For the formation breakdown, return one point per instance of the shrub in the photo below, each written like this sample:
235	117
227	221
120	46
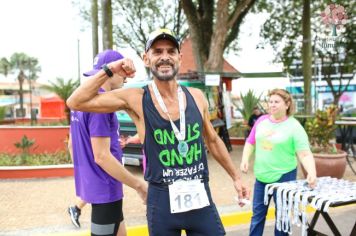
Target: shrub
35	159
2	113
321	130
249	102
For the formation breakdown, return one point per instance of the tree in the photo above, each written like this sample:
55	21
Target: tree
106	19
5	66
63	89
94	26
213	27
136	19
284	31
19	64
307	56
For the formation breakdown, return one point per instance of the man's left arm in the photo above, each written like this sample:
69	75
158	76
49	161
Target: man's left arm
219	151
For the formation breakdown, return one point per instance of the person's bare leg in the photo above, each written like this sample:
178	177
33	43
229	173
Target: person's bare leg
75	211
122	229
80	203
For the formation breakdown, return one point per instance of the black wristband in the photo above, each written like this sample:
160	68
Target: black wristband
107	70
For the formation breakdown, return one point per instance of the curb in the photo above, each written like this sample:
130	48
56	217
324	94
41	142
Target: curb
46	171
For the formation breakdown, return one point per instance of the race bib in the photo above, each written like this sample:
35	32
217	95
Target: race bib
187	195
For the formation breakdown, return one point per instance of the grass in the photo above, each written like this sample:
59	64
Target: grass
35	159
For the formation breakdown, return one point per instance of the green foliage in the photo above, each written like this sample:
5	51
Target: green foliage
63	89
134	20
5	66
35	159
249	101
321	130
24	66
2	113
139	18
283	30
25	144
28	65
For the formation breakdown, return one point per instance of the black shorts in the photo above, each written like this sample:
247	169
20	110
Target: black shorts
106	218
199	222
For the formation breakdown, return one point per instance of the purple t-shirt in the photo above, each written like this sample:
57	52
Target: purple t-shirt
92	183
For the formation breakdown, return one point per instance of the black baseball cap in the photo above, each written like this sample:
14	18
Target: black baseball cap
161	34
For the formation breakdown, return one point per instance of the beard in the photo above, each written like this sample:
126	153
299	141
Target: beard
163	76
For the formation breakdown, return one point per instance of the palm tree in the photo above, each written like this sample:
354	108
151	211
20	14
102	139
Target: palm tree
5	66
63	89
33	69
18	64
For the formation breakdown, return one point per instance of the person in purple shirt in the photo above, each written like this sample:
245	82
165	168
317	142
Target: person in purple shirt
98	172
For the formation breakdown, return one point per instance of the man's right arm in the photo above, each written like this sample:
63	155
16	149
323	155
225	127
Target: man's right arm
86	97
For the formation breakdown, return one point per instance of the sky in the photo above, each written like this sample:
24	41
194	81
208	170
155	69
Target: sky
50	30
47	30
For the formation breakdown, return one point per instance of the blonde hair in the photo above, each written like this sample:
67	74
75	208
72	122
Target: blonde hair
287	98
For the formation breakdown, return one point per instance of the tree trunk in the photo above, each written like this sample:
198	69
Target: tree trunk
307	57
337	99
210	36
215	59
21	79
200	21
107	24
94	26
199	56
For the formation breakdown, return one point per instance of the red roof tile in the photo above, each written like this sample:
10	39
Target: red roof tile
188	62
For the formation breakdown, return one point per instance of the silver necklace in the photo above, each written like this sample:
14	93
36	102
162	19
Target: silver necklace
180	134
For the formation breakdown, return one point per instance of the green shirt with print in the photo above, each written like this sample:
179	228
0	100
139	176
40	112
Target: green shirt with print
276	147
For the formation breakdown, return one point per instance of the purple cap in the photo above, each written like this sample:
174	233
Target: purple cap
102	58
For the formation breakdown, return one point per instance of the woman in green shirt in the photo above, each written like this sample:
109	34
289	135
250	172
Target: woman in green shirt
277	139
